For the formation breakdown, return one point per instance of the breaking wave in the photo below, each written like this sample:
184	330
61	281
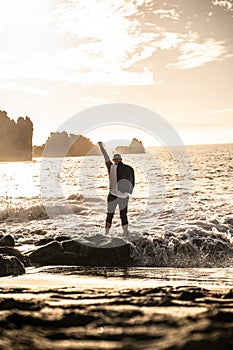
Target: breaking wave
202	245
38	212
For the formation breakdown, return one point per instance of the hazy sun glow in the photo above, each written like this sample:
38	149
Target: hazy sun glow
60	57
20	13
122	135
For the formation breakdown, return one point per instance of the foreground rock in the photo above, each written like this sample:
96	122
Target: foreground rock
13	252
10	265
97	251
7	241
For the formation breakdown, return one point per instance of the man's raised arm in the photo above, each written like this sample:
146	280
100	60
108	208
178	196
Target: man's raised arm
105	154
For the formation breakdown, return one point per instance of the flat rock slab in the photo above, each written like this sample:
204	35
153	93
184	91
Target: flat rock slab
97	251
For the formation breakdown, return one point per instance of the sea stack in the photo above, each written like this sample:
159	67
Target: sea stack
15	138
135	146
62	144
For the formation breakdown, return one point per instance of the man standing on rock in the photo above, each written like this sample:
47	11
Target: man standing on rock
121	184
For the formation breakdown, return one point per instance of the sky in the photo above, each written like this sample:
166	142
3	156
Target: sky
60	57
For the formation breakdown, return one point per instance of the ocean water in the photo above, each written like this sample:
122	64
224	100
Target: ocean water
180	214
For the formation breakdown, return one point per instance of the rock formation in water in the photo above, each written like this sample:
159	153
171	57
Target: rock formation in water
37	151
135	146
61	144
15	138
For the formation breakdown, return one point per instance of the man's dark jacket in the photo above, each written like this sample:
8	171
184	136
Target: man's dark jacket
125	178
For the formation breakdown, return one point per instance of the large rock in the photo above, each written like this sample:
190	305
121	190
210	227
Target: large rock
97	256
85	253
10	265
13	252
15	138
62	144
48	254
7	241
135	146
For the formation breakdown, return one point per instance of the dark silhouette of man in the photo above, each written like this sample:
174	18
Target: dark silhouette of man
121	184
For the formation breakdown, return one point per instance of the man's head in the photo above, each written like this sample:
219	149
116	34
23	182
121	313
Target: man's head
117	158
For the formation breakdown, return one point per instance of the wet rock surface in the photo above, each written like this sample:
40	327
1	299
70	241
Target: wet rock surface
12	261
10	265
95	251
13	252
7	241
144	318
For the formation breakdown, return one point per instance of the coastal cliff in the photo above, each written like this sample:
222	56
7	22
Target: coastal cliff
15	138
61	144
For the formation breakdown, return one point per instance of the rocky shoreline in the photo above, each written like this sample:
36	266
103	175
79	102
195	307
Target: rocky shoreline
39	311
62	250
23	247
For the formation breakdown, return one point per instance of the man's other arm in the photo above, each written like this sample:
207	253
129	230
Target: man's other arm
106	156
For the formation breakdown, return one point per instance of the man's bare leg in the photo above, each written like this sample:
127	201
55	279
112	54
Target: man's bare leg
107	227
125	230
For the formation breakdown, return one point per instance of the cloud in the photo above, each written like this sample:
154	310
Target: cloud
171	14
104	35
108	43
163	41
114	39
34	90
196	54
107	37
228	4
72	66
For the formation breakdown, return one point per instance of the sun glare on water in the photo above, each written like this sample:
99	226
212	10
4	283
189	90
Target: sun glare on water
18	180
